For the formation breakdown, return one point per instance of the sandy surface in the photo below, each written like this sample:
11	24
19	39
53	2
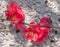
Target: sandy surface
33	10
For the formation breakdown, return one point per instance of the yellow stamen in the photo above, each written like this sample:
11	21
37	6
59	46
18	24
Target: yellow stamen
31	33
13	18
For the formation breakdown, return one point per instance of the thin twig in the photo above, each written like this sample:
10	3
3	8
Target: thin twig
43	25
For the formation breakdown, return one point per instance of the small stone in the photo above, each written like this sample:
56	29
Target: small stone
1	11
46	2
56	32
1	40
17	31
0	26
28	43
11	45
6	23
59	20
2	20
51	46
52	41
11	25
6	33
4	27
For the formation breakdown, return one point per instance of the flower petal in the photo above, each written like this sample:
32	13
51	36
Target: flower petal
46	34
43	21
45	29
18	25
28	37
35	37
33	23
41	39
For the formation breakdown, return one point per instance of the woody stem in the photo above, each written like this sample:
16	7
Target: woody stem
41	25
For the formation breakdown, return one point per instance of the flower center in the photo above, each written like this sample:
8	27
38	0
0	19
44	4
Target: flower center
13	18
31	33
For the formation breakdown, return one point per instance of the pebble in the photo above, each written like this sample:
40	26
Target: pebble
6	22
46	2
52	41
59	20
1	40
17	31
4	27
2	20
56	31
28	43
11	25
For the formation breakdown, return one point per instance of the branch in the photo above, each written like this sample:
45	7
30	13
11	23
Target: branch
41	25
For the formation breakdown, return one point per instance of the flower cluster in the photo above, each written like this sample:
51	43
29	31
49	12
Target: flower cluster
35	32
14	14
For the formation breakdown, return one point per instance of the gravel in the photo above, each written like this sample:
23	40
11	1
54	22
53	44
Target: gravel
33	10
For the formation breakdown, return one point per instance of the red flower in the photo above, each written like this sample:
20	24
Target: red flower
14	13
31	33
36	33
45	21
